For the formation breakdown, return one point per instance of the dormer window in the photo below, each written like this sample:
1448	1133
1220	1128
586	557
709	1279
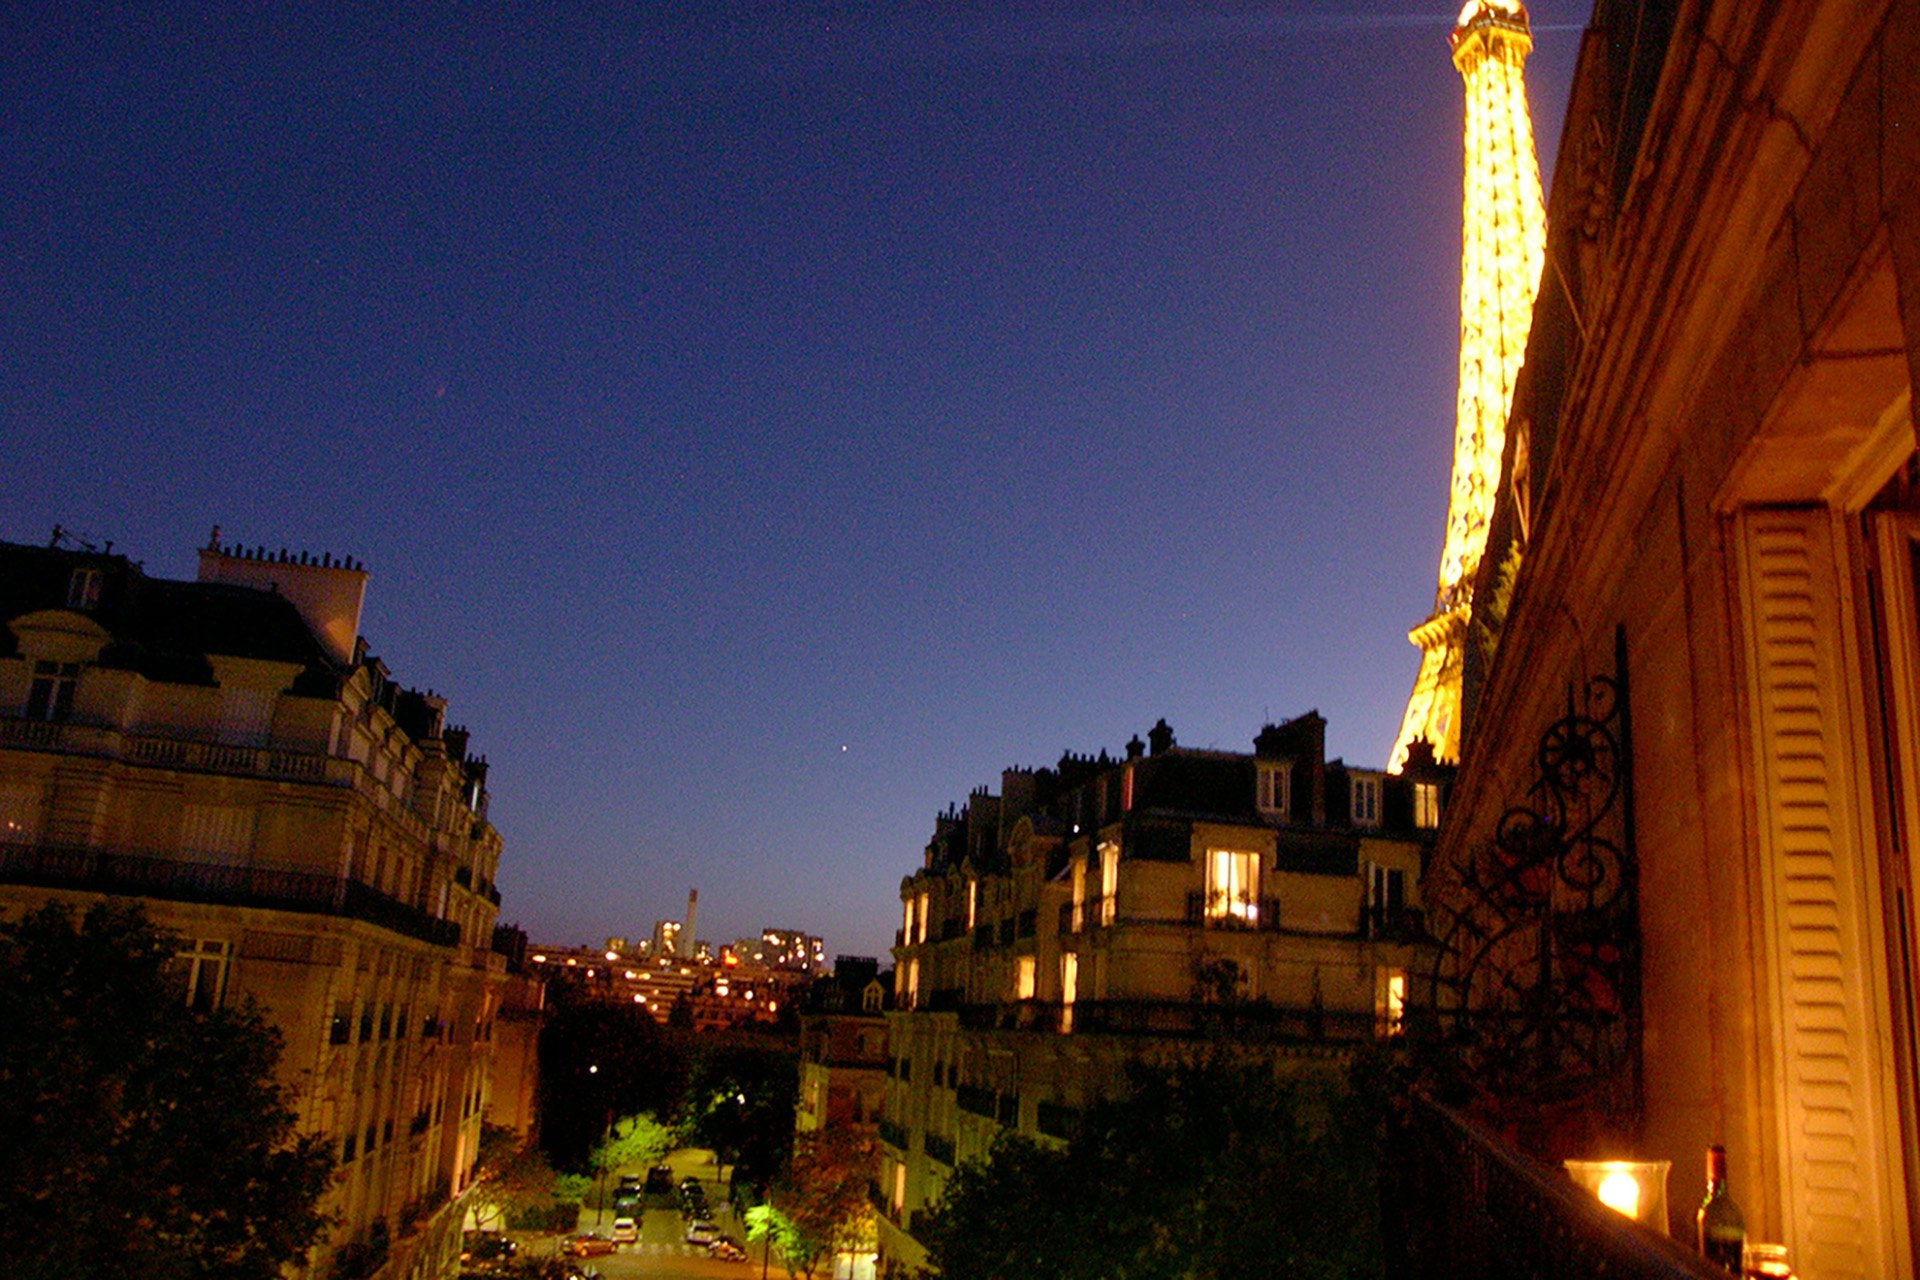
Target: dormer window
1366	800
1273	790
83	589
50	696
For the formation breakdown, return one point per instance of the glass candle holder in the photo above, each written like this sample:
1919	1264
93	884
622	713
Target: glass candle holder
1760	1261
1635	1189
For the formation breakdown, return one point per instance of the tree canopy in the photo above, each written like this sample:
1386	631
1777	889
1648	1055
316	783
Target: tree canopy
1212	1170
740	1102
144	1138
600	1060
511	1178
634	1142
822	1198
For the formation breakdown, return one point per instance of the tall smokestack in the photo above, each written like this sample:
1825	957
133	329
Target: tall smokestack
686	935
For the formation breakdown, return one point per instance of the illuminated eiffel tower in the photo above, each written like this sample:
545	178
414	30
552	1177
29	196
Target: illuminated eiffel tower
1502	244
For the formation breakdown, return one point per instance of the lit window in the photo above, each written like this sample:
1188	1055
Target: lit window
973	901
1109	880
1233	885
1390	1001
1366	801
1273	791
906	920
923	913
1069	988
899	1188
1426	805
1023	979
913	983
1079	916
204	965
50	696
1126	790
83	589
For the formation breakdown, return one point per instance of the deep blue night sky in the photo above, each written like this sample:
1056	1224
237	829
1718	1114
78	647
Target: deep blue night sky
765	422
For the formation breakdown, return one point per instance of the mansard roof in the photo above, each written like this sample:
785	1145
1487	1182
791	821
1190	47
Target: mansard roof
162	628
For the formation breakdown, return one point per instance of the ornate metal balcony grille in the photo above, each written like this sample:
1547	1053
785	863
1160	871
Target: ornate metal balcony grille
1538	971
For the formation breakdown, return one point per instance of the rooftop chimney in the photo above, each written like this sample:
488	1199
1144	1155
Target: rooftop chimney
327	594
1160	737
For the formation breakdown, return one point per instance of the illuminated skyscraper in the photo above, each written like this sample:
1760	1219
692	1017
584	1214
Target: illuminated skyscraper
1502	244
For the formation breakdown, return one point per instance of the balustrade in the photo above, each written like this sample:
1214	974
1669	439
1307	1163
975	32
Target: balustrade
69	867
1462	1204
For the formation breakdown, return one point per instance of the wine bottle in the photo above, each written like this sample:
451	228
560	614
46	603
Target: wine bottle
1722	1230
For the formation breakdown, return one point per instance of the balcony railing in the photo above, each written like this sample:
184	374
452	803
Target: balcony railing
1397	924
178	880
1241	1020
1264	914
940	1149
1471	1206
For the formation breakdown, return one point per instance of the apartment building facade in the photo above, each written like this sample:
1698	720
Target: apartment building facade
228	752
1112	910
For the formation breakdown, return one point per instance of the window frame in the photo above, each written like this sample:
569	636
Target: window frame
1238	900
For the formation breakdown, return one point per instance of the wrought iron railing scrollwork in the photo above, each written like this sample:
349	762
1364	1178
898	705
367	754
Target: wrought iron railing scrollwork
1538	970
1463	1205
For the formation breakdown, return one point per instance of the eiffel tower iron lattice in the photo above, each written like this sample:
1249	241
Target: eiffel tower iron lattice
1503	242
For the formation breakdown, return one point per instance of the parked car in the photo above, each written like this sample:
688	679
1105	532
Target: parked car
626	1204
486	1246
588	1244
729	1248
702	1232
659	1180
625	1231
